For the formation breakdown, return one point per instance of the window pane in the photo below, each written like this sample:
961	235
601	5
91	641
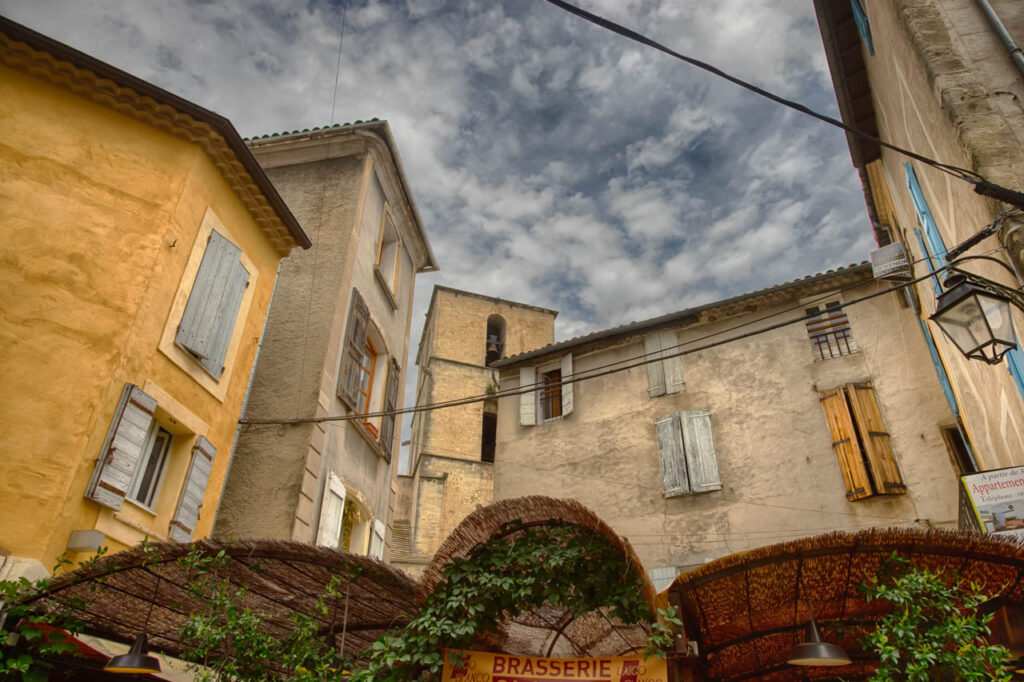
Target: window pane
152	466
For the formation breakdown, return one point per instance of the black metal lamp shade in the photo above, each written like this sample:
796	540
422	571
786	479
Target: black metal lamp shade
976	320
137	660
816	651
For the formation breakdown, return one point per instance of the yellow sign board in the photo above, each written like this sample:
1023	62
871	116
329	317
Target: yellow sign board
479	666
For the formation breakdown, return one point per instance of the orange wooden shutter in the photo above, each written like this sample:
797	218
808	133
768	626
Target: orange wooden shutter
877	446
844	443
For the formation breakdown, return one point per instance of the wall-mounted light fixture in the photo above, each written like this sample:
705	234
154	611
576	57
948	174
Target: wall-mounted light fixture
974	313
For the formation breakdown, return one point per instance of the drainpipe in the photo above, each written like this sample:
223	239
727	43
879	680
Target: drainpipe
245	400
1015	52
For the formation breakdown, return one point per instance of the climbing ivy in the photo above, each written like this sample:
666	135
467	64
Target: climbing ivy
555	563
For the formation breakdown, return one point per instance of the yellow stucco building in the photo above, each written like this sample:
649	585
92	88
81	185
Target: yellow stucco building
140	246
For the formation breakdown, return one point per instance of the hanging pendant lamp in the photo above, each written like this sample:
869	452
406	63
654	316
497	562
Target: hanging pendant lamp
815	650
137	660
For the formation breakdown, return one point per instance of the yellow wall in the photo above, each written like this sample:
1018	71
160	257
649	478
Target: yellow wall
100	216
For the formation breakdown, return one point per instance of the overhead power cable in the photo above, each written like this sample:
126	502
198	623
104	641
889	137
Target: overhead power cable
580	376
981	185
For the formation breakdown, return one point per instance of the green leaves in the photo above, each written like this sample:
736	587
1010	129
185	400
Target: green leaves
934	631
556	563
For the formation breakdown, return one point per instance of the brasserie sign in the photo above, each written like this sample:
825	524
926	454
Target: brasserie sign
480	666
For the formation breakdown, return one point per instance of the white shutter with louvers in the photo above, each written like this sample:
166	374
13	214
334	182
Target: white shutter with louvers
527	401
206	301
186	516
567	388
699	447
673	463
122	448
655	367
673	366
332	509
377	540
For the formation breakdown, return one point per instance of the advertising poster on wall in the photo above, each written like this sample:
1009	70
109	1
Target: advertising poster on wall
997	500
480	666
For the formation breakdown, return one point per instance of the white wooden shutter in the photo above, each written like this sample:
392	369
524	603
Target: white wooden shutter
206	307
527	401
377	540
673	367
699	447
332	508
673	463
567	392
122	448
664	375
356	331
186	516
655	368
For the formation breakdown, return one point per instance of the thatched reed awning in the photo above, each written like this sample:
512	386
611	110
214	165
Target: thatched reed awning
546	630
114	595
746	610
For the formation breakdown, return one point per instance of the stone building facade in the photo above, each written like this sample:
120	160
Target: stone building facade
831	423
935	77
335	346
452	451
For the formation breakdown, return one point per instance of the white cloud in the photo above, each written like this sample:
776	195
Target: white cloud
554	162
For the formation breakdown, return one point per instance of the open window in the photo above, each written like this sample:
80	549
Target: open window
389	252
489	432
828	327
495	339
134	457
861	442
553	395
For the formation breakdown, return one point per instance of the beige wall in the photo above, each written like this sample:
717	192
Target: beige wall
780	478
944	86
105	220
337	185
448	480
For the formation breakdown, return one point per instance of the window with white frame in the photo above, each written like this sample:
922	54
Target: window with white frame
133	460
150	468
552	396
208	321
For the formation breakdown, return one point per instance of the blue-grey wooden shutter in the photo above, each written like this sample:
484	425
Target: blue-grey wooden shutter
212	308
860	17
186	516
356	330
387	424
699	446
567	389
527	401
673	462
936	246
122	448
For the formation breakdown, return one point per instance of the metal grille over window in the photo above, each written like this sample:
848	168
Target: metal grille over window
830	333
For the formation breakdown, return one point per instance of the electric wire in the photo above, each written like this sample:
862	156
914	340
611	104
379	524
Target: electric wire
337	69
961	173
580	376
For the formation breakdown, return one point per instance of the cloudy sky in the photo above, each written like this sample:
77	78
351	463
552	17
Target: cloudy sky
553	162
